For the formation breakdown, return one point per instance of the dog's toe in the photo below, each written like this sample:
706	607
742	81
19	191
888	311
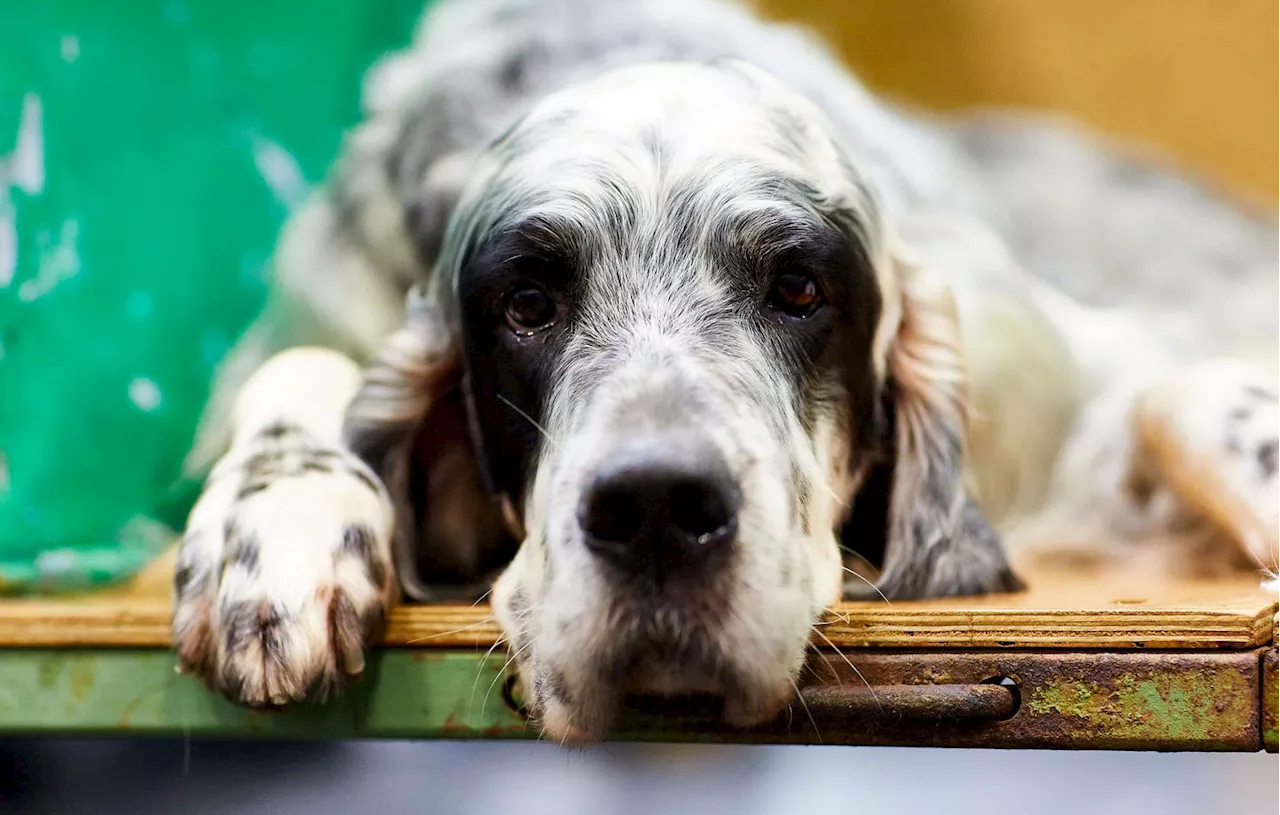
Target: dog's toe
271	655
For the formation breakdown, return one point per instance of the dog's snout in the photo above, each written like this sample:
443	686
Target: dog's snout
661	512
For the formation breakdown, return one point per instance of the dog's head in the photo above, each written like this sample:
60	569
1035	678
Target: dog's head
685	342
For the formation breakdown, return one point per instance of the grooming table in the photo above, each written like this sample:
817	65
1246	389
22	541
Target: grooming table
1111	661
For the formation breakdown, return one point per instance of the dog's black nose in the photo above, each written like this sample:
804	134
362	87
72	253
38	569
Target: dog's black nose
661	512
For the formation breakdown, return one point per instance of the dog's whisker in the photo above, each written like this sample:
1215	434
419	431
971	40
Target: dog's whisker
807	712
833	617
519	634
502	671
504	639
545	433
816	473
825	663
479	623
480	668
873	586
855	554
852	667
506	664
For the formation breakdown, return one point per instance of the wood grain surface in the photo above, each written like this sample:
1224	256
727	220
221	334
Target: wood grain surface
1111	611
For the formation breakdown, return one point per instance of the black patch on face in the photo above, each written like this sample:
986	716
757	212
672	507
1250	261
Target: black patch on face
506	374
846	356
828	354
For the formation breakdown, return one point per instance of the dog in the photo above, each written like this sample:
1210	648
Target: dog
651	310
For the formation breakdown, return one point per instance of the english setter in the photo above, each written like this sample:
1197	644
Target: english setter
695	327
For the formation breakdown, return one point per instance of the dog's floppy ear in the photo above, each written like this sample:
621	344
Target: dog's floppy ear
409	423
937	541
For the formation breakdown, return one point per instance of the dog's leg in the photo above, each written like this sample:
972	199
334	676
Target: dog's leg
1176	471
1208	435
326	291
285	567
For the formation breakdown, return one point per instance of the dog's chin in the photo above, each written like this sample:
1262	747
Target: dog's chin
587	714
746	710
558	727
559	722
740	711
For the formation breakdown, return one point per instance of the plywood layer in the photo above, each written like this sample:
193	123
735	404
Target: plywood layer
1117	611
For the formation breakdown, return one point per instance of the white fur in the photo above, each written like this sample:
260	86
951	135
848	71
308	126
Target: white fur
1084	285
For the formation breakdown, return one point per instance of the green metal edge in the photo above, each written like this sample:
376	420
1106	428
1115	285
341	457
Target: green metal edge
405	694
458	694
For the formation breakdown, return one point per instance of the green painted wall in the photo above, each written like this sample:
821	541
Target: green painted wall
149	151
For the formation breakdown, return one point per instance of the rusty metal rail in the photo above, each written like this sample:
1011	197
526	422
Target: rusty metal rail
1130	700
1050	700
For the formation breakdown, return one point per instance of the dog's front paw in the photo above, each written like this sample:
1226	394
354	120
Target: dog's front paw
285	571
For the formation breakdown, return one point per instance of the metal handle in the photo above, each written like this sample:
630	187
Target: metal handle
993	700
987	701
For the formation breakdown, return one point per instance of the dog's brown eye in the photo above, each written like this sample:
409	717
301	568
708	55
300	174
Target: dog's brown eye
529	309
795	294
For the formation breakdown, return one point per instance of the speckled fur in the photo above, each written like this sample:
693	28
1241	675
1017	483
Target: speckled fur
1049	302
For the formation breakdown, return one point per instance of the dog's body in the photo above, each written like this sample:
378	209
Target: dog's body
1092	294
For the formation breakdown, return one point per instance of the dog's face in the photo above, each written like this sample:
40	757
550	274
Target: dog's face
678	315
667	314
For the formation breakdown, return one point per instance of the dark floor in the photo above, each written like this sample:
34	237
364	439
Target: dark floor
387	778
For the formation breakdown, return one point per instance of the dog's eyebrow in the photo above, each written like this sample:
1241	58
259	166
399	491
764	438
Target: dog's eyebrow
546	248
542	234
779	227
762	232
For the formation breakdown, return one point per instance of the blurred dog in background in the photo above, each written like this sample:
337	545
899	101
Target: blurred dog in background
697	329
